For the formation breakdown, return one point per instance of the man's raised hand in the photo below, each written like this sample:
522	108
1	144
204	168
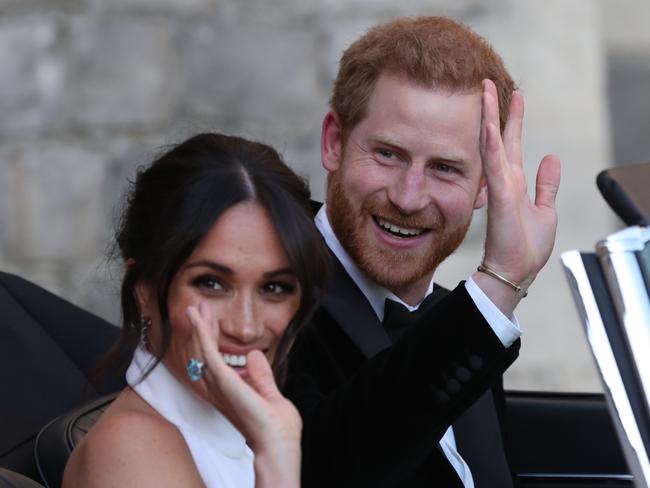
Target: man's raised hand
520	232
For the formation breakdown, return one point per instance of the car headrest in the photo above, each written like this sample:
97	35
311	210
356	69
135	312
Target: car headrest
56	441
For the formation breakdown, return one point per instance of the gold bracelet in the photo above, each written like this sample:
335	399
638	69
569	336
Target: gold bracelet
484	269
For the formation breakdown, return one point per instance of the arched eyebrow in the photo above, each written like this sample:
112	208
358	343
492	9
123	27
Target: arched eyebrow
210	264
228	271
279	272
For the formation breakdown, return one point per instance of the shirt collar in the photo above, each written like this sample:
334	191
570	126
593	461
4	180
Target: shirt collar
374	293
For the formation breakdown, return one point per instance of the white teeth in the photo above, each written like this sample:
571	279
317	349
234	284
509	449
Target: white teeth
399	230
234	360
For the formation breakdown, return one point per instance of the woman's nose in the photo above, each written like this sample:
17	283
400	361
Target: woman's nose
242	322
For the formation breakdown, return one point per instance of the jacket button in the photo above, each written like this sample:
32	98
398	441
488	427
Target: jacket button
453	386
440	397
475	363
463	374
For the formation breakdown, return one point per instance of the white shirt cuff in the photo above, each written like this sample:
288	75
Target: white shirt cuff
507	330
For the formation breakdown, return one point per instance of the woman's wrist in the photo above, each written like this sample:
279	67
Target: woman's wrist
278	466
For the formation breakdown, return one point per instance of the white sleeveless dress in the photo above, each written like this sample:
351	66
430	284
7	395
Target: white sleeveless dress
220	452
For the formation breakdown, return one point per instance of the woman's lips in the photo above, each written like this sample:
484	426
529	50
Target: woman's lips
239	360
236	357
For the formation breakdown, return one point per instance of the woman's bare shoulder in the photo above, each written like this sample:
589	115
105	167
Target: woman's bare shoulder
131	445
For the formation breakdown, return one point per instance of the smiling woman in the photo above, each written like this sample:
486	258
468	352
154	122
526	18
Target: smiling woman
223	264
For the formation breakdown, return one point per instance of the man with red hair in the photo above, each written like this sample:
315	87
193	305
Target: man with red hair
394	378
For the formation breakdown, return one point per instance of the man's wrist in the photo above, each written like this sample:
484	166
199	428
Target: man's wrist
498	292
483	268
506	327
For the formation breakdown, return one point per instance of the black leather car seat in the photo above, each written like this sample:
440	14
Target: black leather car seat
11	479
58	438
48	352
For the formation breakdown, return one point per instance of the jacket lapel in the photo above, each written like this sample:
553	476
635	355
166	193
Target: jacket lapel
348	306
477	434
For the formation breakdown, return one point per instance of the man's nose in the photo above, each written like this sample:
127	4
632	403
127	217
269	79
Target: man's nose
243	323
410	192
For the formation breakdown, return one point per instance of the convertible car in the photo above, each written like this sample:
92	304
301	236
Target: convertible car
52	395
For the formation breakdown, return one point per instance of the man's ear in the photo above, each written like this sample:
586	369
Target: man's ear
481	196
331	144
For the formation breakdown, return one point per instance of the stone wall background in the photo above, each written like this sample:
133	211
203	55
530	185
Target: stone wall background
90	89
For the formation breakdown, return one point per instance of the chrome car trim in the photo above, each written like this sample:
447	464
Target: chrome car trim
627	240
617	399
626	283
575	476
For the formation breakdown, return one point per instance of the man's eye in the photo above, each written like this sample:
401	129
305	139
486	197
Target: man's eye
386	153
444	168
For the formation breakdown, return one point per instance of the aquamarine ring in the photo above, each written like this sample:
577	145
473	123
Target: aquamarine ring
195	369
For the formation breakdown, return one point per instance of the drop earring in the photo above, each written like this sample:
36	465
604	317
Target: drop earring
145	323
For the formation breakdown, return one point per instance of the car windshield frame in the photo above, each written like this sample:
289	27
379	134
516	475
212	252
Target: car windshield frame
611	289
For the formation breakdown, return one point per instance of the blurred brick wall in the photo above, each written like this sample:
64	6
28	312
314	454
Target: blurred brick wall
90	89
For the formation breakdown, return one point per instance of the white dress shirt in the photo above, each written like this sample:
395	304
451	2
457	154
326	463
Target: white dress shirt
219	450
507	330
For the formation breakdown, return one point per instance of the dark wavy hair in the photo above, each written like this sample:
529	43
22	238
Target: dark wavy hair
173	204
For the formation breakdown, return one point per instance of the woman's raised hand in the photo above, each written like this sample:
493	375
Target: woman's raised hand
269	422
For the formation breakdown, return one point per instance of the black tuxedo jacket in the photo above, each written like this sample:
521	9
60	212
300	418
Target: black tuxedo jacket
374	412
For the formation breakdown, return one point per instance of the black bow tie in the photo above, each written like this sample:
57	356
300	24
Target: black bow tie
398	319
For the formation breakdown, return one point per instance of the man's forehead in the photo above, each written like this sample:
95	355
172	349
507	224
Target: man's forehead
397	100
396	97
401	78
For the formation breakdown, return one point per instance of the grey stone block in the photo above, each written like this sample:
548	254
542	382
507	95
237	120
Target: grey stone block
32	74
179	7
94	285
304	158
332	12
41	6
124	72
263	76
50	194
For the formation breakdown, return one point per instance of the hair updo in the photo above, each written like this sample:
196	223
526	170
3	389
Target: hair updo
173	204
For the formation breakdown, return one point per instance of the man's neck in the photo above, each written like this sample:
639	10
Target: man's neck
375	293
413	293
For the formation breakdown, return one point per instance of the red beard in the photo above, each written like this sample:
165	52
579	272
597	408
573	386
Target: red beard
391	268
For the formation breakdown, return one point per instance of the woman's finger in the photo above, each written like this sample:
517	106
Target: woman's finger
261	376
207	341
224	382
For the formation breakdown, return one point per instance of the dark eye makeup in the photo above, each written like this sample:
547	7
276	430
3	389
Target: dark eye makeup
278	288
207	282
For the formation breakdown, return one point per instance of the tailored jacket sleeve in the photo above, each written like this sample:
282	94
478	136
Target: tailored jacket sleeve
367	422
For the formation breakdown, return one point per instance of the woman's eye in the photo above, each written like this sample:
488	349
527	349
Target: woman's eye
277	288
209	282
